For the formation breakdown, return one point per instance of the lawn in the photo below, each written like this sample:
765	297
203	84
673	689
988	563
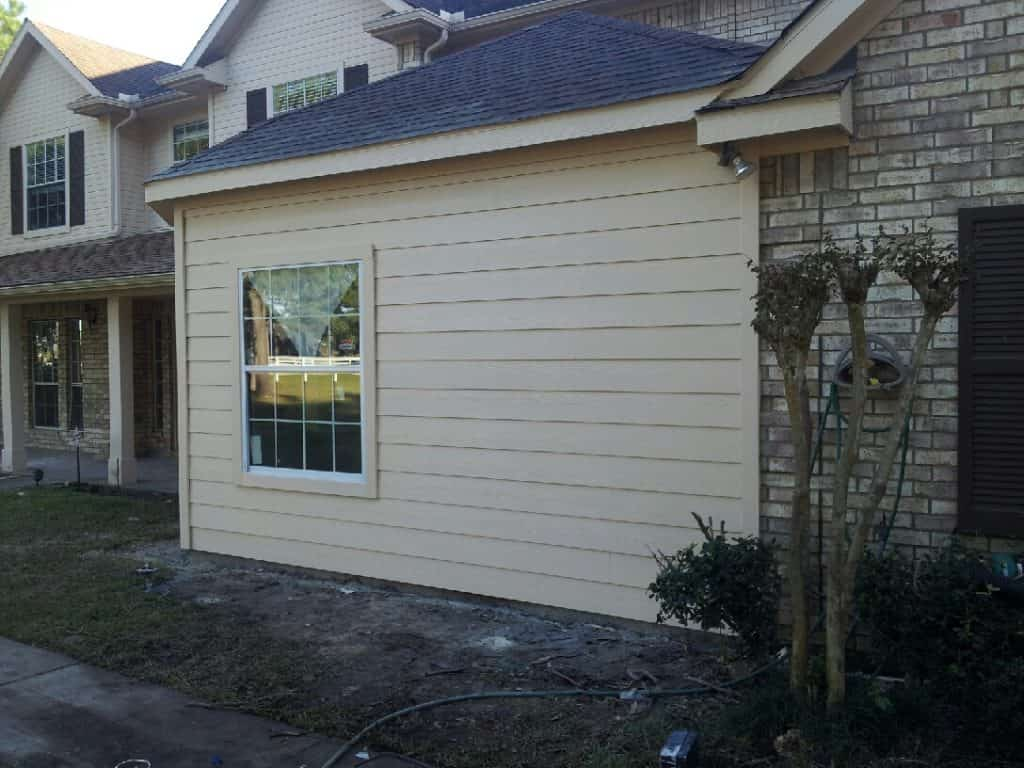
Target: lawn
70	584
329	655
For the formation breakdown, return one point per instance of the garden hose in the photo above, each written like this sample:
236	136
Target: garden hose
630	695
889	521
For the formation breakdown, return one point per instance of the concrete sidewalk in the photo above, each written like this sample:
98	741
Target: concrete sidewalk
57	713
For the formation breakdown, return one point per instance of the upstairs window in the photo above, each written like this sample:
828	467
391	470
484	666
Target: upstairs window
46	189
301	93
190	139
302	369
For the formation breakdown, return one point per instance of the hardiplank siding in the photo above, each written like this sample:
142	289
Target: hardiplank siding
35	109
286	41
565	369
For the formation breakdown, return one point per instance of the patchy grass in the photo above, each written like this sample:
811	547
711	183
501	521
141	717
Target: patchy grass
70	587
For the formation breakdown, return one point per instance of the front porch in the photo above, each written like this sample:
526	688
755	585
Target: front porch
90	363
156	474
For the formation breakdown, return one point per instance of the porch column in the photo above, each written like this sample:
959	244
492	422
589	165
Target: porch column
121	467
12	388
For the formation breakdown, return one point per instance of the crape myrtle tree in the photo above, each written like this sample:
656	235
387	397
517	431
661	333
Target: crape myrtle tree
789	303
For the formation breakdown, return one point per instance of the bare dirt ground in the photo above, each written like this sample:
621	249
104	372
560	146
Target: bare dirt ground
380	647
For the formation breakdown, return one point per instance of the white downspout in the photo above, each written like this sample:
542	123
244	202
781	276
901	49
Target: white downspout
116	225
437	45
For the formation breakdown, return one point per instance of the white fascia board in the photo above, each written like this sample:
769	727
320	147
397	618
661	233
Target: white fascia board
797	113
510	14
96	285
566	126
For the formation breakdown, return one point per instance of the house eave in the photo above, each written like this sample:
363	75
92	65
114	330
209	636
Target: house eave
825	112
133	282
565	126
401	27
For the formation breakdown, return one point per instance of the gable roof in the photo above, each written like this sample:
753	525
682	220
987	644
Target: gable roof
569	62
231	18
111	70
100	69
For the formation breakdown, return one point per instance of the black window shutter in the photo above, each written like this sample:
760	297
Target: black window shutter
17	194
76	178
356	77
991	439
256	107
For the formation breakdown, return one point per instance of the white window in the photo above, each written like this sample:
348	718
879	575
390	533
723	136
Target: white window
301	93
409	55
303	394
46	190
190	139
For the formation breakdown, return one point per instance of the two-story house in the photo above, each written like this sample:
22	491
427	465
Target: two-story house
86	269
460	287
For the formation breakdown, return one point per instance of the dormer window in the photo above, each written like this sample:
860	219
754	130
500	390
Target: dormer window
190	139
301	93
46	189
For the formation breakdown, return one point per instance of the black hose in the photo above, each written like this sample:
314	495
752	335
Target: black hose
630	695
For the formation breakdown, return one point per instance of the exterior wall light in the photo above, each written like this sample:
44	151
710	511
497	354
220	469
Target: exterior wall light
731	156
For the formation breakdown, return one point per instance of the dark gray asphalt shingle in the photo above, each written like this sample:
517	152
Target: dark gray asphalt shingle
830	82
569	62
136	256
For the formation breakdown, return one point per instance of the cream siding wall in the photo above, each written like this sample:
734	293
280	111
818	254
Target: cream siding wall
36	109
565	369
290	39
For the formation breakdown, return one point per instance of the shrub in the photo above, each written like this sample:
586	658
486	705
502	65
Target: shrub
724	583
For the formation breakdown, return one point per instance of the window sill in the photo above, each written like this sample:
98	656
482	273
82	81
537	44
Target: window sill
48	232
308	482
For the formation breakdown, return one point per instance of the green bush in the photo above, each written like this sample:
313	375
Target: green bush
724	583
960	645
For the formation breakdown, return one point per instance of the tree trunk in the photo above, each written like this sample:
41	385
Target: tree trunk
798	403
837	623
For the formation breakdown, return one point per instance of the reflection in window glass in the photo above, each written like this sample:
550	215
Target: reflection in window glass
302	368
45	362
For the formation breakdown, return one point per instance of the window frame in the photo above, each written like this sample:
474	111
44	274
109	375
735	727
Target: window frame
185	124
363	485
55	384
339	89
66	226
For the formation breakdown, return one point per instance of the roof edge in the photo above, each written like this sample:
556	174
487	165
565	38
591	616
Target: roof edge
29	29
651	112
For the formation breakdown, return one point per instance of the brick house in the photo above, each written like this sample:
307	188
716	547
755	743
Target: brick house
454	316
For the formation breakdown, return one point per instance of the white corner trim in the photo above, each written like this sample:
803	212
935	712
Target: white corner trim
566	126
28	29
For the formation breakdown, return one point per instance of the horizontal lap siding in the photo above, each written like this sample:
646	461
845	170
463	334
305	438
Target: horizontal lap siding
562	342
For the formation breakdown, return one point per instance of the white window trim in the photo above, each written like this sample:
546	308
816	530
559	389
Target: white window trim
301	480
49	231
271	112
209	135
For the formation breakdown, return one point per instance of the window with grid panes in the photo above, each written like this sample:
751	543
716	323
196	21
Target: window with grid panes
46	184
302	369
45	364
301	93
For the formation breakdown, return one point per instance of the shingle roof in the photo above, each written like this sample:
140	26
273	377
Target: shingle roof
569	62
470	8
111	70
136	256
830	82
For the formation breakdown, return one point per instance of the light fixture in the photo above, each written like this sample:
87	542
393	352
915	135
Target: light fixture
731	156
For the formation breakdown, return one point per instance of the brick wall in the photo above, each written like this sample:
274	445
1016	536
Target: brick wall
752	21
939	126
153	347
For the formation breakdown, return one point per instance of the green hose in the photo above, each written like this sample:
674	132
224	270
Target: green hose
631	695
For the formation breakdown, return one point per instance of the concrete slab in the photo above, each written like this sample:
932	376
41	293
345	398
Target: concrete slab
159	474
55	713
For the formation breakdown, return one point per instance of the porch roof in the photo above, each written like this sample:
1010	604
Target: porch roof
137	256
